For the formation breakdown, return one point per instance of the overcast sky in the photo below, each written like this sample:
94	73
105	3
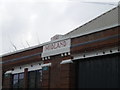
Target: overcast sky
36	21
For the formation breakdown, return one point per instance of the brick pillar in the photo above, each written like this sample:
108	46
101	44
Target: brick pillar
72	75
46	77
7	81
26	78
67	74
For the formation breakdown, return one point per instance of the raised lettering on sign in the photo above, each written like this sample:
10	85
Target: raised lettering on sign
56	48
55	45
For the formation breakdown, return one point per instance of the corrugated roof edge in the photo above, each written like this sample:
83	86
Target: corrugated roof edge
37	46
93	19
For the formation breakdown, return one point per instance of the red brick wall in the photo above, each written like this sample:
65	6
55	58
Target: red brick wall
23	53
9	66
21	60
58	75
46	78
101	42
67	75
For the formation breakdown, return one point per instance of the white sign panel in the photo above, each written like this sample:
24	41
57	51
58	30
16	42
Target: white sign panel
56	48
56	37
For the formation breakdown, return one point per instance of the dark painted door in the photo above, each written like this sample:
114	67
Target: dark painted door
99	72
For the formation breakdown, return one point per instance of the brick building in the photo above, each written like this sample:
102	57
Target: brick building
87	57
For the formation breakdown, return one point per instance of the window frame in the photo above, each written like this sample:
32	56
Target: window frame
18	80
36	78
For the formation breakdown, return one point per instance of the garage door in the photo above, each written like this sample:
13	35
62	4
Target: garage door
99	72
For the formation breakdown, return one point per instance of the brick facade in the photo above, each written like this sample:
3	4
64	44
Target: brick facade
60	75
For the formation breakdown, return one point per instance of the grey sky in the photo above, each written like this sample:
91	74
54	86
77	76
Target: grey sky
36	21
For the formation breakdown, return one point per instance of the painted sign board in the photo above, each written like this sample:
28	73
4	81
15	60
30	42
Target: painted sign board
56	48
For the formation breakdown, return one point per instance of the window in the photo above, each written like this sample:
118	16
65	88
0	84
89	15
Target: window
34	79
38	78
18	80
15	81
31	79
21	80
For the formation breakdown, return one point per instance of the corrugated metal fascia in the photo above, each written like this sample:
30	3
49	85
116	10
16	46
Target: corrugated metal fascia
90	21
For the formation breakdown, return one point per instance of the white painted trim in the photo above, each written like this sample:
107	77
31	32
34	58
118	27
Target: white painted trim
94	54
66	61
45	65
8	72
35	66
18	70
